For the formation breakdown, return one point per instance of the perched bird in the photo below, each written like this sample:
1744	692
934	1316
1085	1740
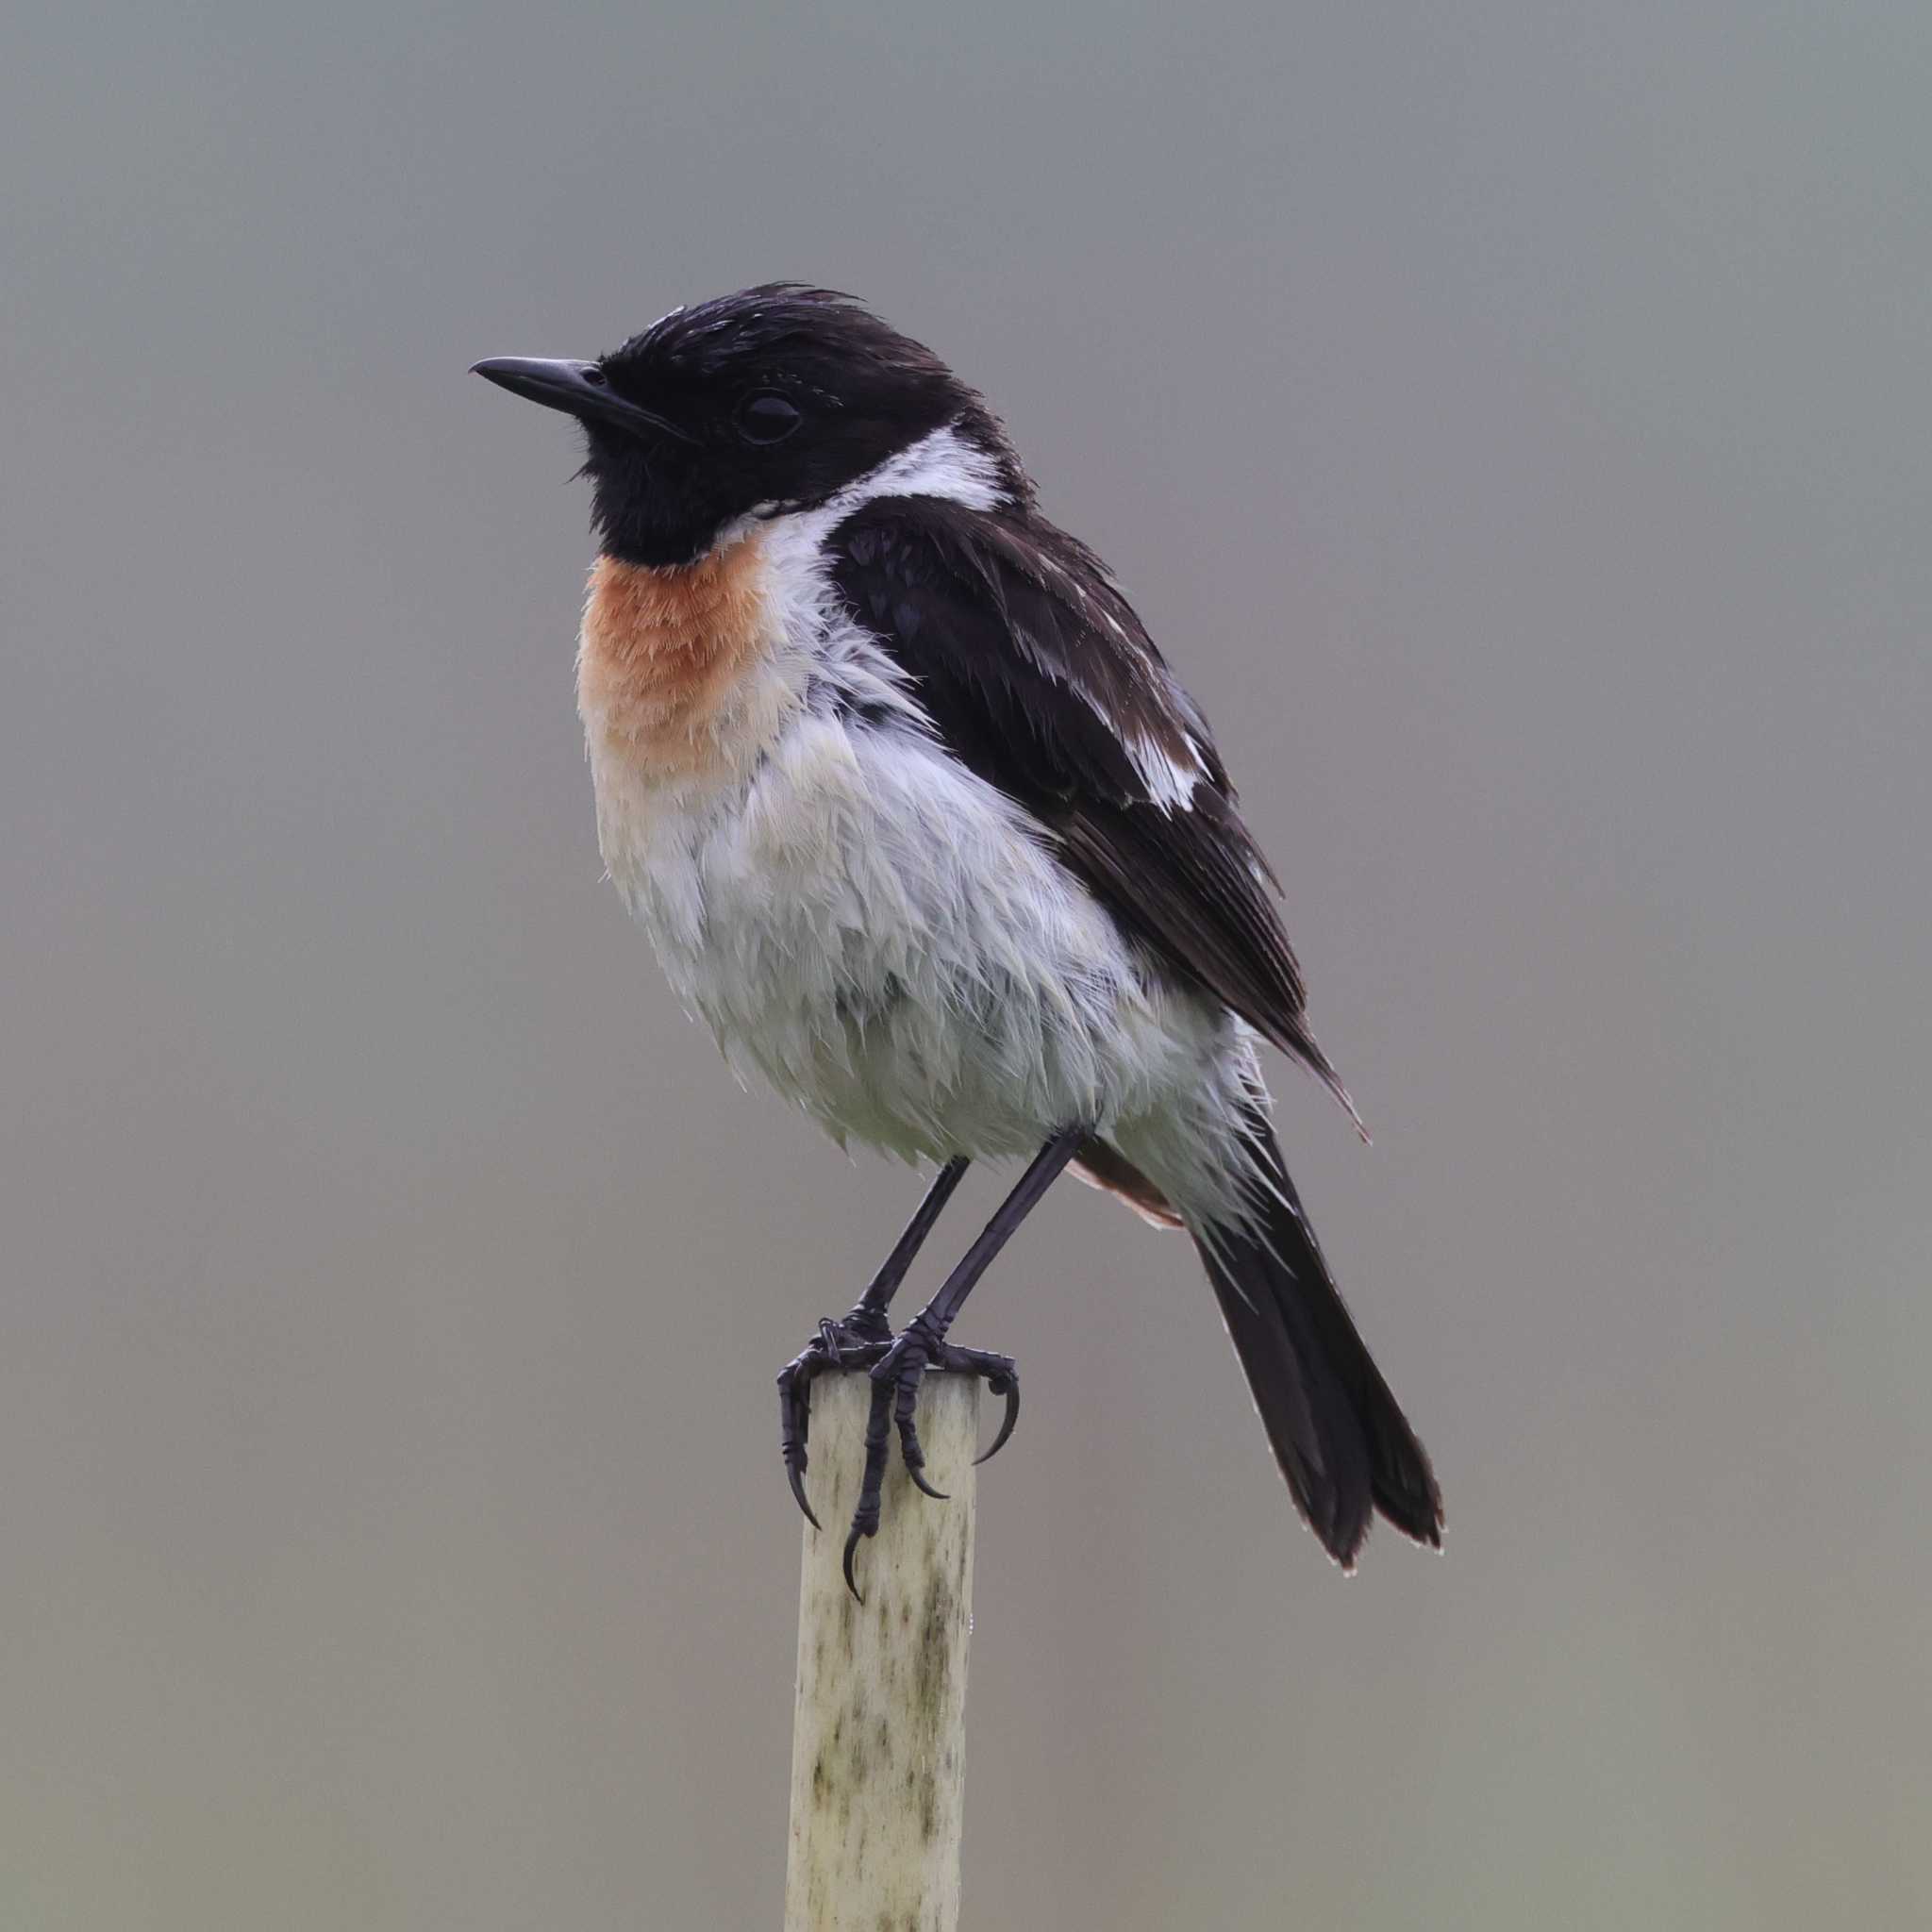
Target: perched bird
922	826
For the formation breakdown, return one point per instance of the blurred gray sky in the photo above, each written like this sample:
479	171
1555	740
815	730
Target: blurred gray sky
1513	420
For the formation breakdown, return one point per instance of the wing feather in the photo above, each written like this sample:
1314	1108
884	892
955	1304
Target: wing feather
1039	675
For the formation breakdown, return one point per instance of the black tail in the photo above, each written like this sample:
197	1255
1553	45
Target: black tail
1342	1443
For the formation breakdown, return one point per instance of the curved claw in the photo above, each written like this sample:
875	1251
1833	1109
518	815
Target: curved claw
910	1453
1011	1392
797	1476
925	1487
851	1550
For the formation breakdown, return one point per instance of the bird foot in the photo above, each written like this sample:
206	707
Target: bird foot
897	1366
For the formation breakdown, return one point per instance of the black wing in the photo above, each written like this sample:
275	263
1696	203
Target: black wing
1040	678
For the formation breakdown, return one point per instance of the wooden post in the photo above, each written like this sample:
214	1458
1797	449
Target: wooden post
878	1740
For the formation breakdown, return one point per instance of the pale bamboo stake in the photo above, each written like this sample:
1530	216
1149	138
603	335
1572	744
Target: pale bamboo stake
879	1739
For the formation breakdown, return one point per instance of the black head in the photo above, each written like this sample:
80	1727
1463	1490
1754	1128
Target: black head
759	403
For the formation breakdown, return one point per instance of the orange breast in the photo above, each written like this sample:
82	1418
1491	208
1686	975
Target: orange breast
668	659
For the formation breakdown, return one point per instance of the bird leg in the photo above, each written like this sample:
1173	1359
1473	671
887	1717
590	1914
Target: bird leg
859	1339
901	1366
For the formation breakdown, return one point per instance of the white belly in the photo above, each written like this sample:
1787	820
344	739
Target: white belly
875	931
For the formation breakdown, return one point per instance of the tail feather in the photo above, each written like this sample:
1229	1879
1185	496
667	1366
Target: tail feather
1344	1446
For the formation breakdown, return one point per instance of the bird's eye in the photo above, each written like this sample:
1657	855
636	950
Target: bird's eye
766	417
596	376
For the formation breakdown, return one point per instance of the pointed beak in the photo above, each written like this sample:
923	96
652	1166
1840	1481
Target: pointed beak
578	389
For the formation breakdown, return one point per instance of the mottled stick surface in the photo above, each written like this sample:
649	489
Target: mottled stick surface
878	1758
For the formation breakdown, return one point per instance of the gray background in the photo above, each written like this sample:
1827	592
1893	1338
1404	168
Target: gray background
1513	419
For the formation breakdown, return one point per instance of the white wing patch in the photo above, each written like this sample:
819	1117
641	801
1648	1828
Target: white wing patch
1170	784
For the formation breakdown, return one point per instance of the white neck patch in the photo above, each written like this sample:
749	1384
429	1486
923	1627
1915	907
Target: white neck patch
941	463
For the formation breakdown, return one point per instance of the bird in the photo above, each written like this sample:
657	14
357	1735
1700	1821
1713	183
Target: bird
919	822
